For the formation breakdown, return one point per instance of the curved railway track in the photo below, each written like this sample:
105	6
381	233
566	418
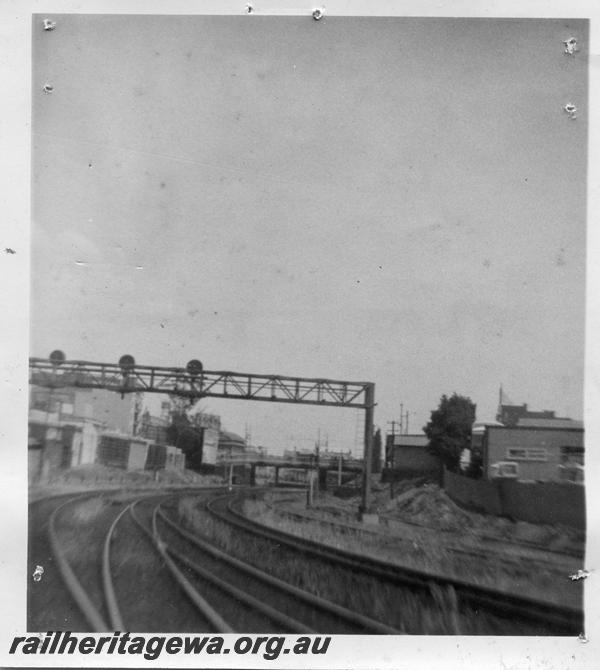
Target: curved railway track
523	615
490	548
257	587
138	562
105	572
49	604
125	562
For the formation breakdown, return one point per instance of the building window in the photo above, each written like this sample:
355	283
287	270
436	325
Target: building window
526	454
571	455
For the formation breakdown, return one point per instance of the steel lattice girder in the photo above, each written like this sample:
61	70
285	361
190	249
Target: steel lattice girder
235	385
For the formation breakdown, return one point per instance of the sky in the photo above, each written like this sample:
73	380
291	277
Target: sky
393	200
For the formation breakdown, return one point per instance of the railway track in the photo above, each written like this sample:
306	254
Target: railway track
49	605
397	526
520	615
387	520
126	562
140	570
104	571
259	590
489	549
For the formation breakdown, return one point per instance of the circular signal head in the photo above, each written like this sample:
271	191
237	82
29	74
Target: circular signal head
194	367
126	363
57	357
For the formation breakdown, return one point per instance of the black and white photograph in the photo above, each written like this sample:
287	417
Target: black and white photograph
306	337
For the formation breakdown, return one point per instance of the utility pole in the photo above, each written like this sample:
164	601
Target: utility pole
393	424
391	460
317	458
403	426
366	511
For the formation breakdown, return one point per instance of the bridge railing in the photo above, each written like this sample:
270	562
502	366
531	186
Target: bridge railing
284	461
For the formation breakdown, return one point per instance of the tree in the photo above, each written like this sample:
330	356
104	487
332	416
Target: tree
449	429
182	434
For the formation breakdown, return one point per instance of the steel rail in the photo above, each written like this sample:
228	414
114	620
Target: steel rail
565	620
545	561
114	614
316	601
293	625
198	600
79	594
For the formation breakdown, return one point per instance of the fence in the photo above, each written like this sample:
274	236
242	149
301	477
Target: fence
543	502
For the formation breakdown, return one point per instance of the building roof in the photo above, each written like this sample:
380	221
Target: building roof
549	423
227	438
480	426
419	440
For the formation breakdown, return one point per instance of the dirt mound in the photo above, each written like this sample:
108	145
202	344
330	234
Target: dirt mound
428	505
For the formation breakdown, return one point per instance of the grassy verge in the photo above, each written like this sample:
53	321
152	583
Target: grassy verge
436	613
90	477
436	553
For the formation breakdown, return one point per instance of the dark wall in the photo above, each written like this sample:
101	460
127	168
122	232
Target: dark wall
414	458
546	502
412	462
478	494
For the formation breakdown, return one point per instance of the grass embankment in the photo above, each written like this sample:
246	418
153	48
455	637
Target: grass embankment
412	613
90	477
451	542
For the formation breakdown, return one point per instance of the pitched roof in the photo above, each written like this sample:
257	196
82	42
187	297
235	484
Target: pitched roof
227	437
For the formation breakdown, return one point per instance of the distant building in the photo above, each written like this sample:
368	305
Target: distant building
154	427
118	451
477	434
113	412
70	427
530	445
396	446
56	442
210	425
513	415
207	426
408	456
541	452
230	444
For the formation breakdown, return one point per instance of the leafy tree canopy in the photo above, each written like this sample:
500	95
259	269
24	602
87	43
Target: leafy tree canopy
449	429
186	437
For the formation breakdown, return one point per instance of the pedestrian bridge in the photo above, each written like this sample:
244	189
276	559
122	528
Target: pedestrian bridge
300	462
306	462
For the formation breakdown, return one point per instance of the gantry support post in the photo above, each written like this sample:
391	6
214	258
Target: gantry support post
276	476
366	512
